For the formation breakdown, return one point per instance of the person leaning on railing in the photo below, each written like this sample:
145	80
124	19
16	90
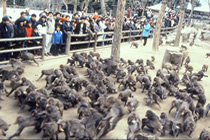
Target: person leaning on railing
6	31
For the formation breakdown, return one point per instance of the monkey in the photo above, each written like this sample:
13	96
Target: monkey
56	102
2	89
140	61
84	54
9	75
17	66
184	47
153	58
124	95
101	88
134	125
207	55
22	123
152	98
130	62
161	92
199	110
123	62
188	68
71	62
28	56
202	99
4	126
152	122
175	103
26	82
132	104
97	55
73	127
150	64
103	128
136	45
206	111
120	75
51	129
116	112
205	68
46	72
182	109
187	61
188	123
204	135
168	66
131	69
79	58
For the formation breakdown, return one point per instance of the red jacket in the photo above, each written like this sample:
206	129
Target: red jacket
29	31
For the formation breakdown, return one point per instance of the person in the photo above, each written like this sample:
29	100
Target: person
50	29
28	15
57	41
146	32
33	20
6	31
81	28
22	16
20	30
67	27
57	19
128	12
43	13
42	25
29	29
36	34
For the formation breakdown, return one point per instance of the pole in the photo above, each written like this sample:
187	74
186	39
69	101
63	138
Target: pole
95	44
68	43
13	3
4	7
43	45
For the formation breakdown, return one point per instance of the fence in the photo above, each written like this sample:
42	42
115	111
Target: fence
69	43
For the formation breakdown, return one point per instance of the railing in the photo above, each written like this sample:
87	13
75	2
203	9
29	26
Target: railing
127	35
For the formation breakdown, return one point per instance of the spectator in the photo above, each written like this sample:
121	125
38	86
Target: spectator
92	22
50	29
42	25
20	30
33	20
57	41
146	32
43	13
57	19
67	27
29	29
28	15
63	18
36	34
80	27
6	31
128	12
22	16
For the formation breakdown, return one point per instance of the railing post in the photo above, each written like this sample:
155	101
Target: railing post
43	45
130	36
95	44
68	43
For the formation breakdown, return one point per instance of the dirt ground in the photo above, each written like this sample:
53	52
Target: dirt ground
10	107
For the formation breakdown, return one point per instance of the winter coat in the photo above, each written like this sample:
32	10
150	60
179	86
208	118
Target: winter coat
6	31
28	17
57	37
50	25
42	27
35	35
20	31
34	23
67	28
78	27
146	30
29	31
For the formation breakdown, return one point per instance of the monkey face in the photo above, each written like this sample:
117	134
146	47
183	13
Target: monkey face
18	120
183	111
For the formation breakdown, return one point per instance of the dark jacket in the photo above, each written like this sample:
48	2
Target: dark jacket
78	27
34	23
18	20
6	31
20	31
67	28
35	35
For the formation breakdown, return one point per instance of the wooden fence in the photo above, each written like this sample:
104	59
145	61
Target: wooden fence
69	43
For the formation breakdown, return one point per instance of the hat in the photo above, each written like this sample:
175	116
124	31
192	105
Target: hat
50	13
5	18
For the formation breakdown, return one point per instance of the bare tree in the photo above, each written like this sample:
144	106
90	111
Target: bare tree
86	6
156	38
103	7
66	5
144	6
182	12
115	53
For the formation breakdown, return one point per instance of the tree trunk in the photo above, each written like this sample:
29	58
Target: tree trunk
66	5
156	38
115	54
182	12
103	7
191	13
82	4
4	7
86	6
144	6
75	6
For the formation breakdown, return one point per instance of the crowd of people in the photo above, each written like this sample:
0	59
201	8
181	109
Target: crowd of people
56	25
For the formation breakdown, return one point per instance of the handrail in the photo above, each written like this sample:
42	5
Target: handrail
19	39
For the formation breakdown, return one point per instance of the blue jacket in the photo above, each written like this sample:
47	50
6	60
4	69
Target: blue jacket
28	17
57	37
146	30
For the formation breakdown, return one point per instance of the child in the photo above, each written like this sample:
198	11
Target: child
29	29
57	41
36	42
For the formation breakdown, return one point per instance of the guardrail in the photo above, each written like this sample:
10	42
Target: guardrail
126	35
